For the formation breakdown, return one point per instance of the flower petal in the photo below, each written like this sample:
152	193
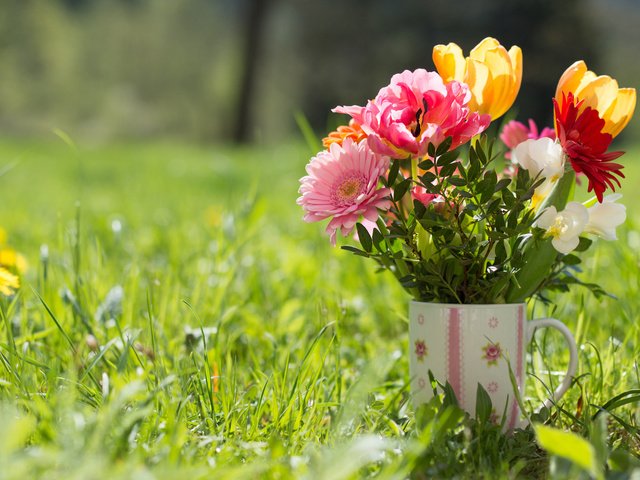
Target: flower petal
570	79
449	62
620	112
547	217
599	93
565	245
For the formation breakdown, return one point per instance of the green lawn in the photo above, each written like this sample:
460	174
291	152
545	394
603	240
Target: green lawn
244	346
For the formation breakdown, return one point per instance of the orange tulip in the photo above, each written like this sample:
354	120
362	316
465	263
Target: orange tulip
492	73
614	105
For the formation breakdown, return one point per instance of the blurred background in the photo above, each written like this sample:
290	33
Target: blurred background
238	71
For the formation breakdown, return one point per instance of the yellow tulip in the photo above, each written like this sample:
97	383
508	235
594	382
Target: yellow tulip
614	105
492	73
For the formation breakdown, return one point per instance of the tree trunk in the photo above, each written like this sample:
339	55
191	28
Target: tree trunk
254	26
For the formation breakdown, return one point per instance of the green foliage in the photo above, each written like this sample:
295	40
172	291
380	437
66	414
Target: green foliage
475	242
576	457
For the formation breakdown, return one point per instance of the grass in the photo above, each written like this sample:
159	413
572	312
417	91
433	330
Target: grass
183	322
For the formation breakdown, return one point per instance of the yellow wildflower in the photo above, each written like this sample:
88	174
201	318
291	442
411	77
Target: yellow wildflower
8	282
11	259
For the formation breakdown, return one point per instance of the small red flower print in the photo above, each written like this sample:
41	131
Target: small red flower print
421	350
494	418
492	387
493	322
492	352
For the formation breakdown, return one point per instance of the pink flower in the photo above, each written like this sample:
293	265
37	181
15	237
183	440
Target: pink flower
415	109
421	350
342	184
420	193
492	352
434	200
514	133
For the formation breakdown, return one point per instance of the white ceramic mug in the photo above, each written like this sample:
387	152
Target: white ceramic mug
470	344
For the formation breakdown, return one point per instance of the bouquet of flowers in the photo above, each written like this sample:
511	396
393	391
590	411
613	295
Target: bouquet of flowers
454	216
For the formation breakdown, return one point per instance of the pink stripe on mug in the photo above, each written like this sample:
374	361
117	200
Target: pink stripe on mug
454	354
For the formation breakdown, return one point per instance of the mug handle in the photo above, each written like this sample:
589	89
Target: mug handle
573	354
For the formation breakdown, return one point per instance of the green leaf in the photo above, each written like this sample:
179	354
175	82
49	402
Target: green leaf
561	193
444	146
447	170
508	198
624	398
474	164
462	193
483	405
364	237
419	209
598	438
522	180
512	218
355	251
538	257
501	252
571	260
495	293
449	396
570	446
622	461
502	184
431	150
426	164
378	240
584	244
427	178
481	153
457	181
393	172
400	189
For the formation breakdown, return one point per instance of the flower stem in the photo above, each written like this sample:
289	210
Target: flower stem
401	270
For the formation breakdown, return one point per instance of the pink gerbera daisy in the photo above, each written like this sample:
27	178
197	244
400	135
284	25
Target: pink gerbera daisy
342	184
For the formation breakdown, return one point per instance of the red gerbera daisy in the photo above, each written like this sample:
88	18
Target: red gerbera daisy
582	139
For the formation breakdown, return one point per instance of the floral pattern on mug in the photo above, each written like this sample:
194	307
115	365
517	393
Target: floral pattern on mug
493	322
494	418
492	352
421	350
492	387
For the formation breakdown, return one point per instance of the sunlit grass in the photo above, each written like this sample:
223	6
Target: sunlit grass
184	322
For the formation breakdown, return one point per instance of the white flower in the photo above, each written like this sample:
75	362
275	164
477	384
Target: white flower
540	156
605	217
543	157
564	227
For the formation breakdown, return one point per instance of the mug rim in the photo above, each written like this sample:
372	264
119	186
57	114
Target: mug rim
468	305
